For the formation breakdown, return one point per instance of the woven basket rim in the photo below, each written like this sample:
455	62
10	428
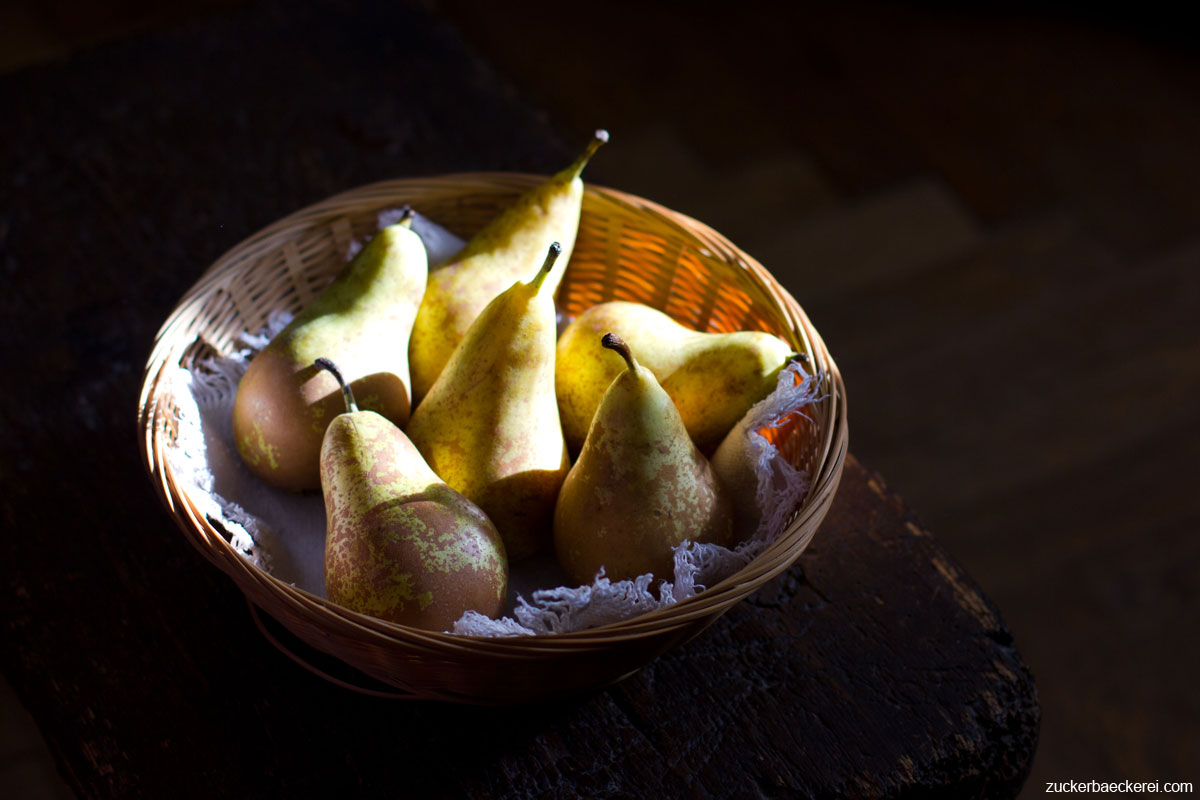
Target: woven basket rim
646	625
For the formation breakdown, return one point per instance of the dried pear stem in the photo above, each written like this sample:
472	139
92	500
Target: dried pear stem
406	216
347	395
614	342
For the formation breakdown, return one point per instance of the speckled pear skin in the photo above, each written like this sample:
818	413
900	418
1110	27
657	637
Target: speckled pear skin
507	249
489	425
363	320
713	378
639	487
400	544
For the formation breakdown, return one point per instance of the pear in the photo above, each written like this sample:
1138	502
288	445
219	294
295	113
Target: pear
639	487
713	378
489	425
363	319
507	249
736	460
400	544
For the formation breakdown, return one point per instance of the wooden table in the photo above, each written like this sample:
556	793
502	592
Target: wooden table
874	667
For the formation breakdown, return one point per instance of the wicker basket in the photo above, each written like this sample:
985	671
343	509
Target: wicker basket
627	248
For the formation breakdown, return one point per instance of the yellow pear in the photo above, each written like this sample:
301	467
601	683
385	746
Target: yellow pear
489	425
713	378
736	459
400	544
507	249
639	487
362	319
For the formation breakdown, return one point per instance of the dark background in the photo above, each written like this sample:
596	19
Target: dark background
994	220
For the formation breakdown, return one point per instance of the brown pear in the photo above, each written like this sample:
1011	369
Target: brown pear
400	544
363	320
489	425
639	487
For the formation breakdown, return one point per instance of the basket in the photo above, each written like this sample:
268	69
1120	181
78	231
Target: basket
627	248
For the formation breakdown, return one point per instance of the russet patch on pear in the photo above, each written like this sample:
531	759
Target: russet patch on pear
400	544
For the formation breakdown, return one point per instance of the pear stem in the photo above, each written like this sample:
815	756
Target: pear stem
347	395
614	342
598	138
551	256
406	216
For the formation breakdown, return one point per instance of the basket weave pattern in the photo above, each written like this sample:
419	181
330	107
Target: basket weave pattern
627	248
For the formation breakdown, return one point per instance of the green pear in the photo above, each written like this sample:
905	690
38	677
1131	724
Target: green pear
507	249
363	319
639	487
400	544
713	378
489	425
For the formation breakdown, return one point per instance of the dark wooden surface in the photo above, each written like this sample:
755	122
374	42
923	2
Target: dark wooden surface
992	213
875	667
